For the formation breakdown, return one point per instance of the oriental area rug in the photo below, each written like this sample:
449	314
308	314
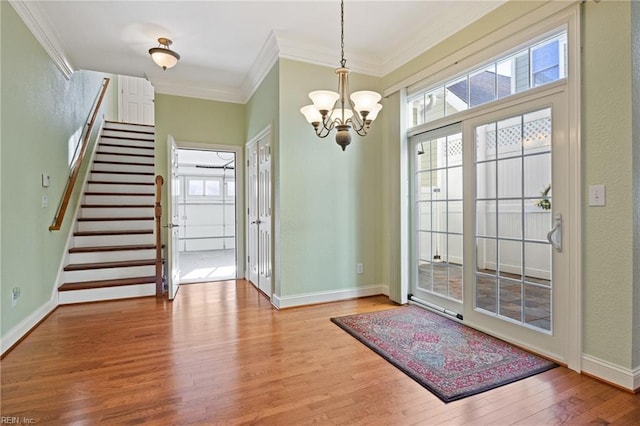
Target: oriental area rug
451	360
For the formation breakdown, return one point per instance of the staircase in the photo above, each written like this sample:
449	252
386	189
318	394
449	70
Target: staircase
112	253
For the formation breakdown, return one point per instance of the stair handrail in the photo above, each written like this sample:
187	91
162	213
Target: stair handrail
158	215
74	169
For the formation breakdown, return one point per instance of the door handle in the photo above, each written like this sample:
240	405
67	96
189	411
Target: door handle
555	235
256	222
171	225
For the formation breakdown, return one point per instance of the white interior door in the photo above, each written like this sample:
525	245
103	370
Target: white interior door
259	260
252	214
173	217
264	210
136	100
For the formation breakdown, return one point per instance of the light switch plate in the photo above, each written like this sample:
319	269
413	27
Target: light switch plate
45	180
597	195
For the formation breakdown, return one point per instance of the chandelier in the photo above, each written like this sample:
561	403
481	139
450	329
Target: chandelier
162	55
336	110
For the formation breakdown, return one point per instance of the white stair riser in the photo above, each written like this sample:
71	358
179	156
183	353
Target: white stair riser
119	199
136	158
130	168
131	143
108	274
128	126
144	137
111	256
112	240
119	212
106	148
108	293
112	225
110	177
123	187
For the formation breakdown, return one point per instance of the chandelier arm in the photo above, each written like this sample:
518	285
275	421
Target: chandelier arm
320	134
362	131
329	124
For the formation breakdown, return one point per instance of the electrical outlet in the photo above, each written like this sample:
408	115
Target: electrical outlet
15	295
45	201
360	268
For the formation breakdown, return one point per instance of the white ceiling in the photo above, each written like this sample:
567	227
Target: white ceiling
227	47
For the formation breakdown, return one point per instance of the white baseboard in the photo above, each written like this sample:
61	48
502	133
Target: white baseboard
23	327
106	293
327	296
620	376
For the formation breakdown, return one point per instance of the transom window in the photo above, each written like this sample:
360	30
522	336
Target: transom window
539	63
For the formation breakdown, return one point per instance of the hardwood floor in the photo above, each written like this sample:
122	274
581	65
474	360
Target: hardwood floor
220	354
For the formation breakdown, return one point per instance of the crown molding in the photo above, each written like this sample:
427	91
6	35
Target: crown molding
36	19
199	92
277	46
267	57
303	52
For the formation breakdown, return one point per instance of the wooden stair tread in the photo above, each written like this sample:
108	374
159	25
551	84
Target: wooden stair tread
131	247
115	232
109	219
108	265
87	285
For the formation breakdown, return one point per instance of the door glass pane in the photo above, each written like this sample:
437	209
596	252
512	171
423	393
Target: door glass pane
486	180
438	212
513	216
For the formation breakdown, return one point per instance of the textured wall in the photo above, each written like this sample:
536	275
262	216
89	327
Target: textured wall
41	111
607	159
330	200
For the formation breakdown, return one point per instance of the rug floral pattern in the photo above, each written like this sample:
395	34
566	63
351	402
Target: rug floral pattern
450	359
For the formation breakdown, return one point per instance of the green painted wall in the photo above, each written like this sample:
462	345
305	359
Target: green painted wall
330	201
610	319
196	120
263	108
41	111
607	159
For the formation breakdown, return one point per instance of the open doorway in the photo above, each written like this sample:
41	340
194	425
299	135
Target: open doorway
207	212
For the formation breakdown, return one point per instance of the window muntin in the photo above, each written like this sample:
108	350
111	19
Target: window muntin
210	187
540	63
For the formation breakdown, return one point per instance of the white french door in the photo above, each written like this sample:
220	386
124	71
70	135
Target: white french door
490	206
259	259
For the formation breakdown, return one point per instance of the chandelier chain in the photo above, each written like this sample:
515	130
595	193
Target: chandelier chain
343	61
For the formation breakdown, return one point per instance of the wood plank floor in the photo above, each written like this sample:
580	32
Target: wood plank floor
220	354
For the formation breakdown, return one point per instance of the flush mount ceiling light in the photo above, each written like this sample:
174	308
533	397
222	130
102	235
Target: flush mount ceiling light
336	110
162	55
